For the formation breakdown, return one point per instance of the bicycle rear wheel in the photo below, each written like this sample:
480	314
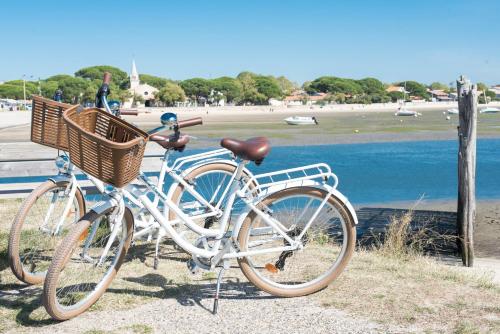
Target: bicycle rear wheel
34	234
81	270
328	243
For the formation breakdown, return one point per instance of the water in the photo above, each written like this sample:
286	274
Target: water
397	171
387	172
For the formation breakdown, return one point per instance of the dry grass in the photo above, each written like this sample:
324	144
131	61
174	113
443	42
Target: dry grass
395	284
415	292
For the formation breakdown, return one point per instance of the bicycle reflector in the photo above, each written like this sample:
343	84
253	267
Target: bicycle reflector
271	268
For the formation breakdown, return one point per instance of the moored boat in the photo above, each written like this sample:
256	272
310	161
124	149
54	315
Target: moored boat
301	120
405	112
489	110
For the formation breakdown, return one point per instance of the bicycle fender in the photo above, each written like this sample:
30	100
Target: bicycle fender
60	178
311	183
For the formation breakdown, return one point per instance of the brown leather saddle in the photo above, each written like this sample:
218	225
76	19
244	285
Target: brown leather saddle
170	142
253	149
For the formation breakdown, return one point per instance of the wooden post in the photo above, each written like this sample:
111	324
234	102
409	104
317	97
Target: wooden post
466	208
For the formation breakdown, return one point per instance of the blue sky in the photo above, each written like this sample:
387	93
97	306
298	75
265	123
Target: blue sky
391	40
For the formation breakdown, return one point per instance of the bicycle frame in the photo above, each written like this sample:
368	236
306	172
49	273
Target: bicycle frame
132	192
239	190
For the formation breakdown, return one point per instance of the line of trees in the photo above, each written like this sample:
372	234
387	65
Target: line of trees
245	88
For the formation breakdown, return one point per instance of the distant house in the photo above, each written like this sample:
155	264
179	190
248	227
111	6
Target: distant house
496	90
393	88
275	102
440	95
300	97
416	99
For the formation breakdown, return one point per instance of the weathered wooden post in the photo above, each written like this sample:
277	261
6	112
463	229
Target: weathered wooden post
466	208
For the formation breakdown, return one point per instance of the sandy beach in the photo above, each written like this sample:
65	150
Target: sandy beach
338	124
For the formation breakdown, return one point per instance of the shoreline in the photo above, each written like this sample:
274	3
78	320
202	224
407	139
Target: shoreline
486	228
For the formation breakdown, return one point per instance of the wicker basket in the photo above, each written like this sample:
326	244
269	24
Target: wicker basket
104	146
47	125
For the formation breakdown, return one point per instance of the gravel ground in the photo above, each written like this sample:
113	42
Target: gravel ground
238	313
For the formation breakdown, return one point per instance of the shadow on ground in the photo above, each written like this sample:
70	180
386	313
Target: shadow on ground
192	294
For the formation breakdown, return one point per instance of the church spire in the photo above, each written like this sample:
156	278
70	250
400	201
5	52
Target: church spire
134	76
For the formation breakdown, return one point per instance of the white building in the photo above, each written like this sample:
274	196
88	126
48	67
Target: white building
147	92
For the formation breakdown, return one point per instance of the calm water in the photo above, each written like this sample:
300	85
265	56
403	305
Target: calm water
399	171
387	172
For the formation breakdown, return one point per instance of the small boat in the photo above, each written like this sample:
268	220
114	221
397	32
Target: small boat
406	112
453	111
301	120
489	110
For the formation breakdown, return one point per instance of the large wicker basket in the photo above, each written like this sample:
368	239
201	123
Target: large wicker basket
47	125
104	146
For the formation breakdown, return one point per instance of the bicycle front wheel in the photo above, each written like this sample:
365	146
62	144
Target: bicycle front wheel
85	264
327	243
39	226
211	182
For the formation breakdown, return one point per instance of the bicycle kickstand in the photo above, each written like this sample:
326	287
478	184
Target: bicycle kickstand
156	261
217	290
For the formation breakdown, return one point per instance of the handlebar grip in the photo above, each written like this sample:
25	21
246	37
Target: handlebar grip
107	78
129	113
189	122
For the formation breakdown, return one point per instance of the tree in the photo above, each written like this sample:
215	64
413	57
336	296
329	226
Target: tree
372	86
231	88
49	88
9	91
170	94
250	92
482	87
154	81
396	96
287	87
76	88
118	77
268	86
335	85
307	87
15	89
196	88
121	95
59	77
415	89
439	86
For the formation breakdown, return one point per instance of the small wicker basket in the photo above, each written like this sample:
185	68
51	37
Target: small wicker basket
47	125
104	146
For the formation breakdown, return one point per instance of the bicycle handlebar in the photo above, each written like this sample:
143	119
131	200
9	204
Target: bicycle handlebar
181	124
189	122
129	113
107	78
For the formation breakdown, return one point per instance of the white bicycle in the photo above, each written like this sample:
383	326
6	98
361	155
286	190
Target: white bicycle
295	234
48	213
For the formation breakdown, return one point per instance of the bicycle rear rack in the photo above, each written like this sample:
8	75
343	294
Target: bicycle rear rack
320	173
200	157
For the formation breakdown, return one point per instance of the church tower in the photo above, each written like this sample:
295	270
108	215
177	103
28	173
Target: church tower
134	76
